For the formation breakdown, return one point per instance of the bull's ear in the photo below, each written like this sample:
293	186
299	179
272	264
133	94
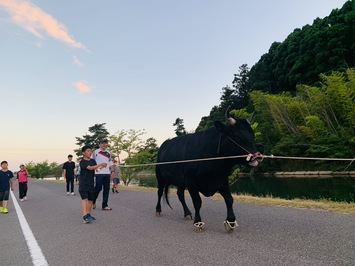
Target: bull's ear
220	126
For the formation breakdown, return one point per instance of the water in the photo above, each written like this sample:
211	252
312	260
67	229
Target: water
335	189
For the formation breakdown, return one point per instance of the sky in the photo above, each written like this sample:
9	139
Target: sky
134	64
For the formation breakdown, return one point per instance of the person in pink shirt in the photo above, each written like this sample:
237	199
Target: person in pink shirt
22	180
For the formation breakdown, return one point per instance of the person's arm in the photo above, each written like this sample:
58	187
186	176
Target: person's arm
94	167
64	170
10	180
112	172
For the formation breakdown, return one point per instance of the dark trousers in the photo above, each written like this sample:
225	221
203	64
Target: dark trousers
22	187
102	181
70	181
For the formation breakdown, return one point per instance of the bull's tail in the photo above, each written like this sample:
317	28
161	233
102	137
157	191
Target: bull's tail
166	195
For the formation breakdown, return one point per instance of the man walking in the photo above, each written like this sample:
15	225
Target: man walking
103	175
68	173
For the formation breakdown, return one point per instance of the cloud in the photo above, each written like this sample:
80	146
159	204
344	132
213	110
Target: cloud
77	62
82	87
33	19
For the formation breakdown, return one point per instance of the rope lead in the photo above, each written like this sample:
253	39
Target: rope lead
241	156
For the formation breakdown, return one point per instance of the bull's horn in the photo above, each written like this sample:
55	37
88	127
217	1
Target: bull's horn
250	118
226	113
231	121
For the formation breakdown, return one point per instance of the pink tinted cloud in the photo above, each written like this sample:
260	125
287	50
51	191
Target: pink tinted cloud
35	20
82	87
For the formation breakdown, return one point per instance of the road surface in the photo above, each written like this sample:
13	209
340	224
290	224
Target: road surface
131	234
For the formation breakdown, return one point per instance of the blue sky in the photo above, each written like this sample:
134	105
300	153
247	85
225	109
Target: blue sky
67	65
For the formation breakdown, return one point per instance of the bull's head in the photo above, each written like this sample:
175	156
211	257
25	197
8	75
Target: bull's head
240	133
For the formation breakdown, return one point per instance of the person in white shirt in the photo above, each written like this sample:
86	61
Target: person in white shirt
103	175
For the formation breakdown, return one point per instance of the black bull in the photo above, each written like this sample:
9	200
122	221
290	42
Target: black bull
207	177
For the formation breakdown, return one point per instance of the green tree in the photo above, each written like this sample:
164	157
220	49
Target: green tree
148	153
241	85
316	122
131	143
91	139
180	128
40	170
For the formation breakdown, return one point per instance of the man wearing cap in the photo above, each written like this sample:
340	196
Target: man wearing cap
103	175
68	173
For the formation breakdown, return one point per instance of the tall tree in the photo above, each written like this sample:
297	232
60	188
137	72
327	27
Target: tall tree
240	83
180	128
91	139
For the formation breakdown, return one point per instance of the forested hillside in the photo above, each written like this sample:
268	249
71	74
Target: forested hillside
302	94
328	44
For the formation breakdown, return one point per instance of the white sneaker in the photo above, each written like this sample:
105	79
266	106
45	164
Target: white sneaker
72	194
68	193
22	200
25	197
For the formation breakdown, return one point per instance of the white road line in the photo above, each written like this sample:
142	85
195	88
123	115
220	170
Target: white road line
37	256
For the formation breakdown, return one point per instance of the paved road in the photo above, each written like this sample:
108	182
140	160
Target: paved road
131	234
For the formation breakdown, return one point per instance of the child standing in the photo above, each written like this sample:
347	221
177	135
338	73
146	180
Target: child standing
22	176
116	178
86	184
5	185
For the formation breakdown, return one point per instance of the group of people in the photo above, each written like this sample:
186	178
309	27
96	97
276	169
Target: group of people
6	184
97	168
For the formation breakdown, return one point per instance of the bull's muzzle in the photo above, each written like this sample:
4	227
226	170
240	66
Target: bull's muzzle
254	159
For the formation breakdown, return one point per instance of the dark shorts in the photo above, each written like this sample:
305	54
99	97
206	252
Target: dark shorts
4	195
116	180
87	194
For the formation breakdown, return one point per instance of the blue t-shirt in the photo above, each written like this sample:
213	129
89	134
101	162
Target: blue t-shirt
5	180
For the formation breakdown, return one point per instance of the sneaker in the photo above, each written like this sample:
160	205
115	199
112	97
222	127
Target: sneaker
25	197
22	200
72	194
4	210
116	191
87	219
1	208
68	193
92	217
113	191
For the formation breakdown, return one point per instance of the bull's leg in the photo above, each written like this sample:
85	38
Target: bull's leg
197	202
230	223
160	194
181	195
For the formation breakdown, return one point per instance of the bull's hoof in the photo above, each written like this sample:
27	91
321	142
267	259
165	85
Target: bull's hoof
230	226
188	217
158	214
199	226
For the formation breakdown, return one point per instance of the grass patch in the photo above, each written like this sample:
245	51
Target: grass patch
323	204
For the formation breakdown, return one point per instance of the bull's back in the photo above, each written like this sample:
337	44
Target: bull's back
190	146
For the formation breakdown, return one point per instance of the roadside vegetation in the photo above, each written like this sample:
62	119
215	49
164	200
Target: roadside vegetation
322	204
